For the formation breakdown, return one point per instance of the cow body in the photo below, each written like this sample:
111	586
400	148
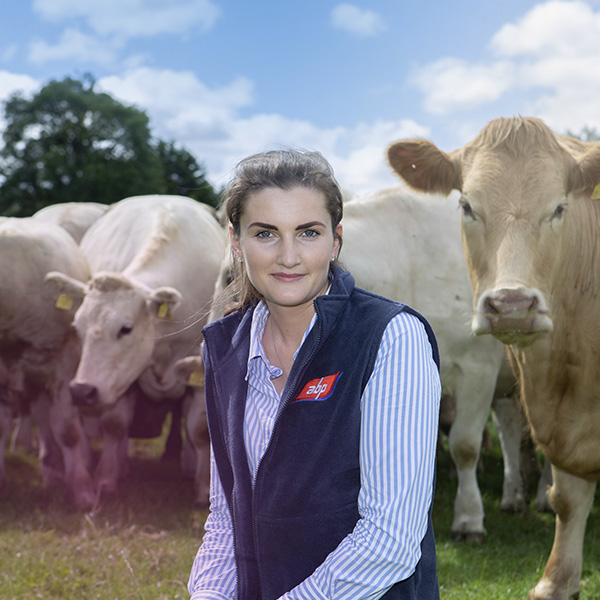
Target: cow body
74	217
154	261
38	349
399	246
531	235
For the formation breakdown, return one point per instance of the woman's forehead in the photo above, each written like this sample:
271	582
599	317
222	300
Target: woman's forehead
300	204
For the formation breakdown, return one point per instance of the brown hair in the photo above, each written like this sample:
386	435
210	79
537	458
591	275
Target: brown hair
284	169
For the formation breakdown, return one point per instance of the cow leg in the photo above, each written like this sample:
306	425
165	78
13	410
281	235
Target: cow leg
49	453
68	433
473	402
174	442
5	426
507	417
542	502
114	460
196	428
571	498
22	437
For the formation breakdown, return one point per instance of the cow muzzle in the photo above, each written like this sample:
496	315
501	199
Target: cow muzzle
514	316
84	395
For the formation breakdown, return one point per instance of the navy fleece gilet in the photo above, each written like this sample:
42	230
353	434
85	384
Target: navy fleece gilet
305	498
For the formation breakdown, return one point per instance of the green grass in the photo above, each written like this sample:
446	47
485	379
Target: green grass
512	558
140	543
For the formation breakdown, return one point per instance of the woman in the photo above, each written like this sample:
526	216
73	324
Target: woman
322	402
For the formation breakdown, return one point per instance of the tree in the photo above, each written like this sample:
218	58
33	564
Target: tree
70	143
183	175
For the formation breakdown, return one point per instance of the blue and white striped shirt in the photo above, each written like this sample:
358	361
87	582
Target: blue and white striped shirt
399	414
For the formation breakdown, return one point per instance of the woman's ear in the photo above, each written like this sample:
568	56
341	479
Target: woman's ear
337	241
235	243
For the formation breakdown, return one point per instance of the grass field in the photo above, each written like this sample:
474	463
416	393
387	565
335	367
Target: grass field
140	543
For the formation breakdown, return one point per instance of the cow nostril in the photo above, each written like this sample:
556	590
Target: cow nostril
83	394
511	302
534	304
489	307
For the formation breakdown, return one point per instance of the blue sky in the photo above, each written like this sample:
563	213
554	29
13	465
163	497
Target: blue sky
226	78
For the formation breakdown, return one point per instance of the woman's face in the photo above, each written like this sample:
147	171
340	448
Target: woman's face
286	242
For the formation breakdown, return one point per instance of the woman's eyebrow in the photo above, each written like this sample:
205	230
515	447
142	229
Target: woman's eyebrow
261	225
309	225
298	228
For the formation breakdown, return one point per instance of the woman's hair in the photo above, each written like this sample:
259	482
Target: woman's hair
284	169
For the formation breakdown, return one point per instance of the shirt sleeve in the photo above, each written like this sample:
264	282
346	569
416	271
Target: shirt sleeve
399	422
213	574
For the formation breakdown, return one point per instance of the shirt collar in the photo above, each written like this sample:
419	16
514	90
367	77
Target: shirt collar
257	330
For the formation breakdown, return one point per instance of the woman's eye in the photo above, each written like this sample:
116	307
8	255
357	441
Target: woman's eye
263	235
311	233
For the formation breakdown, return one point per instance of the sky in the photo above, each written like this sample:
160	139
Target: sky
228	78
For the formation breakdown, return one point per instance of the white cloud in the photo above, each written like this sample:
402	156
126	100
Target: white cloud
12	82
181	106
208	122
133	18
357	21
556	28
452	84
550	57
75	46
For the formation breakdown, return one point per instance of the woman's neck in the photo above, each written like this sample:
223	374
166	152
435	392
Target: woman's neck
287	325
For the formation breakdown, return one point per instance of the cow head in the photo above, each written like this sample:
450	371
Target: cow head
117	328
523	191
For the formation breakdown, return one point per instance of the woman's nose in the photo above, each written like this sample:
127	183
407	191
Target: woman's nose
288	255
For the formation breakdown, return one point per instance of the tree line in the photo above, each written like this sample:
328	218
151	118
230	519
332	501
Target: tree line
70	143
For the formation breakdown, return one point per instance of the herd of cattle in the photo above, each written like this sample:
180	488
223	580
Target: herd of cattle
101	310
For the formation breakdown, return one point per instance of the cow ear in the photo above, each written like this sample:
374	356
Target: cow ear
163	302
585	175
66	292
424	167
190	371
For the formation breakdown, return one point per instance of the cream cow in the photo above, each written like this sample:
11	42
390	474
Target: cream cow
74	217
39	349
154	261
531	236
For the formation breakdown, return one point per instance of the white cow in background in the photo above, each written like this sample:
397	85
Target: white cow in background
39	349
154	261
406	246
74	217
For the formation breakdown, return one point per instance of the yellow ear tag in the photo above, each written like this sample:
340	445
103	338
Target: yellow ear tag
596	193
196	379
163	310
64	302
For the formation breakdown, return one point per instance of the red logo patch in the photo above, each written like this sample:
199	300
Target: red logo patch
318	389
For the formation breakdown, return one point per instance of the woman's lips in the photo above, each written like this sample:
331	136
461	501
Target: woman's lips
287	277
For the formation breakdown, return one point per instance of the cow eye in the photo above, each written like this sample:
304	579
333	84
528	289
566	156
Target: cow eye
559	212
125	330
466	209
